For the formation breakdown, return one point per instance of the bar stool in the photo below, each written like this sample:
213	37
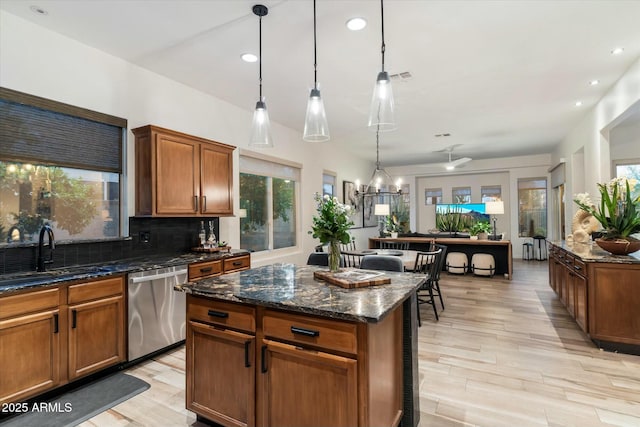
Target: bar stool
457	262
527	251
483	264
542	248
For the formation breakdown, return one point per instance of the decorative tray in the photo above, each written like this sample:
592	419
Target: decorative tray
210	250
352	277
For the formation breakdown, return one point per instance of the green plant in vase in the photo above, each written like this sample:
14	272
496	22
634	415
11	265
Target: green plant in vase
480	227
618	212
331	226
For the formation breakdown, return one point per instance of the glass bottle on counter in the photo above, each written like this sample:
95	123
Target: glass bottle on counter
202	234
212	236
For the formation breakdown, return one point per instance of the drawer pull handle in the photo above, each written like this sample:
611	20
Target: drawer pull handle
220	314
206	270
247	362
263	361
74	318
237	263
55	324
577	267
306	332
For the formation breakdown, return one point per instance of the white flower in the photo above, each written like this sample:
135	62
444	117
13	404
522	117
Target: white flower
326	197
583	198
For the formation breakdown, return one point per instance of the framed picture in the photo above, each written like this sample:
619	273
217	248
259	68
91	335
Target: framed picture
368	217
350	198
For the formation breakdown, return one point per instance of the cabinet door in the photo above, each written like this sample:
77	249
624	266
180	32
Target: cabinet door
223	390
580	289
571	293
96	335
216	169
29	355
307	388
177	176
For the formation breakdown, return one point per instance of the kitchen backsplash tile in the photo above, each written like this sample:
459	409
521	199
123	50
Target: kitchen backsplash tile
166	236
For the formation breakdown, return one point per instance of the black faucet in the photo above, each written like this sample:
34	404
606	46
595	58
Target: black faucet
10	234
52	245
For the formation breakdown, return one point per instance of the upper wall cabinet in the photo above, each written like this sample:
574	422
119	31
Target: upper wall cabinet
182	175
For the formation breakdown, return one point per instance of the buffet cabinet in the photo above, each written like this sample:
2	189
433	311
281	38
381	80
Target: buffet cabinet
182	175
249	365
52	336
601	292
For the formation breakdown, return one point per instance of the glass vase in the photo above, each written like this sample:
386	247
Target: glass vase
334	255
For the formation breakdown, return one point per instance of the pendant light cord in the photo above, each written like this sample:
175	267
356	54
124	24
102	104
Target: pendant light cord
260	54
378	147
315	56
382	22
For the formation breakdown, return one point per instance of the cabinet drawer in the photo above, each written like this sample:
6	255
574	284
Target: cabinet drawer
238	263
29	302
200	270
319	332
94	290
222	313
580	267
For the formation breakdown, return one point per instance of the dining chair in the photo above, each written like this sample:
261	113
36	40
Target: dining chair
436	279
403	246
322	259
382	262
427	264
352	259
351	246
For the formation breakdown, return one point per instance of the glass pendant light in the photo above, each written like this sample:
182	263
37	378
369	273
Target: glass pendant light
381	115
261	127
316	127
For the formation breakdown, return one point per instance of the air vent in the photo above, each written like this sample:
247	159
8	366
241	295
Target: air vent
402	77
439	135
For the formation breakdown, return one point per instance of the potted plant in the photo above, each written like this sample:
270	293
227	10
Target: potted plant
480	230
332	226
618	213
392	225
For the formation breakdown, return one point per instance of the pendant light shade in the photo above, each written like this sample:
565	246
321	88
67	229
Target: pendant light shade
316	127
260	127
381	114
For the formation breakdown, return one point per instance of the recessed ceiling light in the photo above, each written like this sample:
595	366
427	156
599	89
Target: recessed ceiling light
249	57
617	51
356	24
578	103
38	10
594	82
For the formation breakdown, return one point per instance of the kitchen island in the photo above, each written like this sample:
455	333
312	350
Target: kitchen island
274	346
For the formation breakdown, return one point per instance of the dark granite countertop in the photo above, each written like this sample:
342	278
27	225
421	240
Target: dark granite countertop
291	287
591	252
21	281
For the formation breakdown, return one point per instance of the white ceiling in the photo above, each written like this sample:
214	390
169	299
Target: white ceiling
502	77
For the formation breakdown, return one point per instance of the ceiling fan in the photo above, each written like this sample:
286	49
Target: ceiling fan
452	164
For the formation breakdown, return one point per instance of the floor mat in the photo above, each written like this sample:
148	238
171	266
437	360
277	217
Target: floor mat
78	405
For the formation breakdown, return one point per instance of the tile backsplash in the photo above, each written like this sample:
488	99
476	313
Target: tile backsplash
147	236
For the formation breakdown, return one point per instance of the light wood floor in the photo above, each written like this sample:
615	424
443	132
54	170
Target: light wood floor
504	353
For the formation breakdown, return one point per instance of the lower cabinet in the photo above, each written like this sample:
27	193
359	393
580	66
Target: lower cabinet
249	366
53	336
30	344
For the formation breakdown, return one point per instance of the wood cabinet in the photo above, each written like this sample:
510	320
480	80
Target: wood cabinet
204	269
31	346
52	336
182	175
96	330
291	369
602	296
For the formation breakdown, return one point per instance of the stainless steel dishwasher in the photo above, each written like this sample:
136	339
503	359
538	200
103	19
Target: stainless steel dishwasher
157	313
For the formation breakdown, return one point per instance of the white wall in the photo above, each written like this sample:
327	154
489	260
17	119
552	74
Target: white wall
37	61
587	147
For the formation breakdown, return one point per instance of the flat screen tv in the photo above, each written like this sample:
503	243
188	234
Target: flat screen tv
476	210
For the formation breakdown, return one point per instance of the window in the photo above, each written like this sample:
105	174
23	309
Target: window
78	204
491	193
461	195
74	187
629	170
268	195
432	196
328	184
532	207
